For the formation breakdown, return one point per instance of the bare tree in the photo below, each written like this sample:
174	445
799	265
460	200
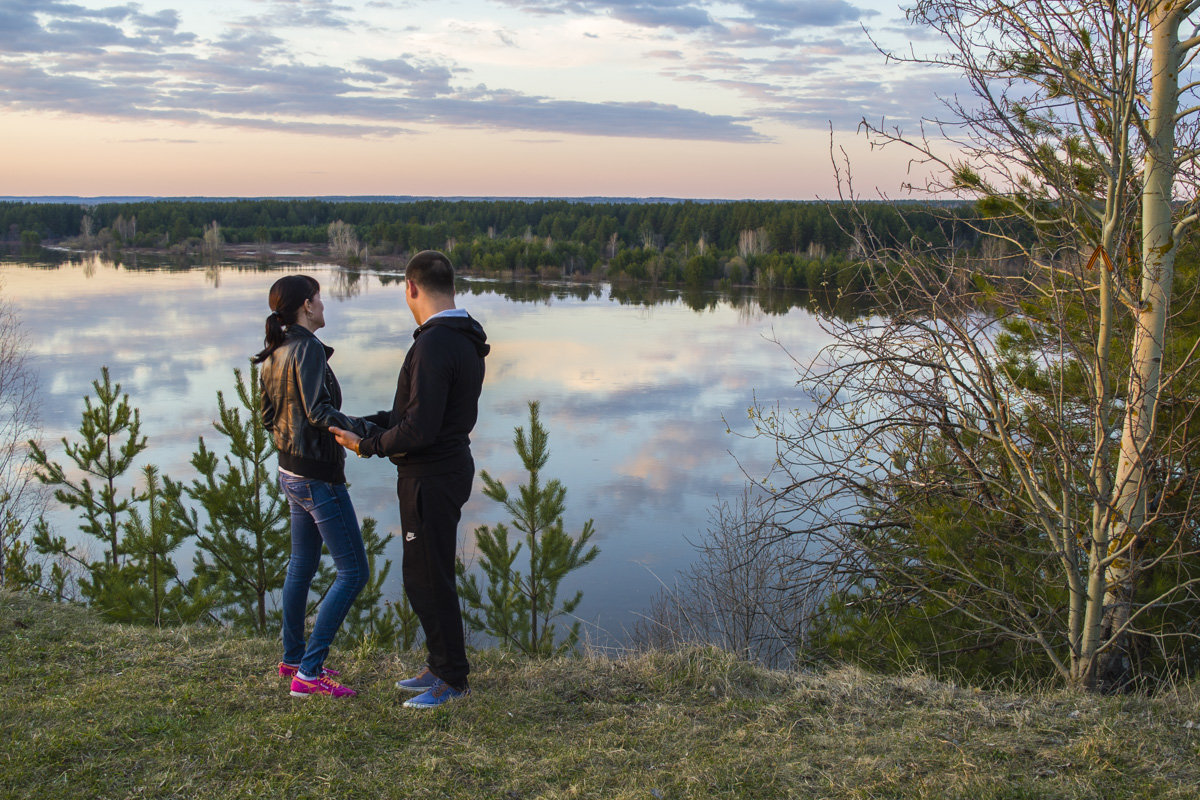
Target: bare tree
1034	405
22	501
740	593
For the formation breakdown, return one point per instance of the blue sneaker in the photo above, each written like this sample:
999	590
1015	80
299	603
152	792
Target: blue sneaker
441	692
426	680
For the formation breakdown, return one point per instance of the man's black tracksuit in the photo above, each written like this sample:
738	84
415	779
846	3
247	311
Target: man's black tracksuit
427	436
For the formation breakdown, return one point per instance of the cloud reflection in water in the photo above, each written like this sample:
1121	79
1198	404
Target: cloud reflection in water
636	398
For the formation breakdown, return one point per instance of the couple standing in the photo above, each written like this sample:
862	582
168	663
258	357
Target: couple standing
425	434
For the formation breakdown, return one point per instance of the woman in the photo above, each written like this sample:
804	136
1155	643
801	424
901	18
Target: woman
300	400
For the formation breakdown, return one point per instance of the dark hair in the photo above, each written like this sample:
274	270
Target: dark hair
432	272
286	298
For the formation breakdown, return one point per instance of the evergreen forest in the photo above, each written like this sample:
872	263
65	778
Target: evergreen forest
803	245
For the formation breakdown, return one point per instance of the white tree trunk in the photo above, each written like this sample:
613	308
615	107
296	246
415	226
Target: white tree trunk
1158	270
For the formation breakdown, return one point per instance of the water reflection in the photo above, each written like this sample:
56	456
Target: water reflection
637	384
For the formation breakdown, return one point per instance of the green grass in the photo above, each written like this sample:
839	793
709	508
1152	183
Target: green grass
93	710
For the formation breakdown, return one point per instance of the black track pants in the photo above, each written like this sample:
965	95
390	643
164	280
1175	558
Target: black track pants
430	508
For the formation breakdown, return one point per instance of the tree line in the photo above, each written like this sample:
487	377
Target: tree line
773	244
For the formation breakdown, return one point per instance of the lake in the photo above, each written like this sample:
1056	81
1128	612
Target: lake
644	399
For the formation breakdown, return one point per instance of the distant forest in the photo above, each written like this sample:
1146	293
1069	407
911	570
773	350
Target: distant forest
787	244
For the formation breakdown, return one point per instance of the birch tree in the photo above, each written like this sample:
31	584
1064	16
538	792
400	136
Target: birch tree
1032	403
213	240
343	240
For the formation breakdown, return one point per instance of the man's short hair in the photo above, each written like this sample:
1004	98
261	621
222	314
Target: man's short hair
432	272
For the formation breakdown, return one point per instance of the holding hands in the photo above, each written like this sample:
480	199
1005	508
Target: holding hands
347	439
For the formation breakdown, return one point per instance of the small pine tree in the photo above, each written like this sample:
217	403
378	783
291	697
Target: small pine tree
19	571
244	543
110	439
516	608
146	588
405	623
160	594
61	582
136	581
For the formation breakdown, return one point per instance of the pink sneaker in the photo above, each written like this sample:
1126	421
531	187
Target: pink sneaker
289	671
322	685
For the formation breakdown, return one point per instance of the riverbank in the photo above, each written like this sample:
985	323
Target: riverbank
89	709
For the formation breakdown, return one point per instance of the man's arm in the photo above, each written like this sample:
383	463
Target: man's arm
419	422
379	419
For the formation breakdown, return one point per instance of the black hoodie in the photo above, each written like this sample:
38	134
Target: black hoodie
437	400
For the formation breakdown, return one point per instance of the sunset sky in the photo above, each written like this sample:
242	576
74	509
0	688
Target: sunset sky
618	98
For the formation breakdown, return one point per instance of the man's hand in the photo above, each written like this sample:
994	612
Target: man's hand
347	439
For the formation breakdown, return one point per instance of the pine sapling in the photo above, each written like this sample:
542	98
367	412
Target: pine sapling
519	608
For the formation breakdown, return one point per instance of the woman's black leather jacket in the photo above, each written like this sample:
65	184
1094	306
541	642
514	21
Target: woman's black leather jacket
301	398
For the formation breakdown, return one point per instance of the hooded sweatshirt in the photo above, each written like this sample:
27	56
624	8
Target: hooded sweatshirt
427	431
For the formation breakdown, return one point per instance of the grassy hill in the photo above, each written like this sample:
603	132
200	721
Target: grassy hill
93	710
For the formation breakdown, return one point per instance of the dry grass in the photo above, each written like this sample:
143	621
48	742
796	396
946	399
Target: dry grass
92	710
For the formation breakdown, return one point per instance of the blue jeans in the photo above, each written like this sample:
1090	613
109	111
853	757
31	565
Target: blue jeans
321	512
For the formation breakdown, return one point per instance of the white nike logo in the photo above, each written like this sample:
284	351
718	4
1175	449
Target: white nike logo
410	536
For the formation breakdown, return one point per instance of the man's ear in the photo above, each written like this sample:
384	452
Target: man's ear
410	289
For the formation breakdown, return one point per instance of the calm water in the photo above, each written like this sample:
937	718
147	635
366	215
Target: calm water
636	397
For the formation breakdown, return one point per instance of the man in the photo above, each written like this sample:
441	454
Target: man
427	436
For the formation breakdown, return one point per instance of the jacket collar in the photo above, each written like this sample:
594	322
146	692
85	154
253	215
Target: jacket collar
301	332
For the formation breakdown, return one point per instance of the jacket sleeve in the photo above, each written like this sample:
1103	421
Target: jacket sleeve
318	405
418	423
267	405
379	419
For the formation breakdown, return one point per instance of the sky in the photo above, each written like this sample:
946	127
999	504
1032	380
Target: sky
563	98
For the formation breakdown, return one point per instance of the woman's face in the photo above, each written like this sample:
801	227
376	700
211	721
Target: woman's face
316	311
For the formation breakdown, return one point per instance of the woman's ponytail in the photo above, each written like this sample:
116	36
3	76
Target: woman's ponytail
287	296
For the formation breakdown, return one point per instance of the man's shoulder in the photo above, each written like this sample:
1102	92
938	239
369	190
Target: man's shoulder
443	343
443	330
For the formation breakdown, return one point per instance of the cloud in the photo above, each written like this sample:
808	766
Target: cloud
304	14
677	16
674	14
250	42
794	14
798	63
753	21
904	100
285	100
514	110
421	80
115	62
32	26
